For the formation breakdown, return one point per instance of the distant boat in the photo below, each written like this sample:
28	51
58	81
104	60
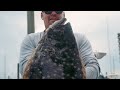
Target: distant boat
113	76
99	55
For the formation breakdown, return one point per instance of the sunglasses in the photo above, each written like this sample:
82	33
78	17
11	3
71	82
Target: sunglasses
49	12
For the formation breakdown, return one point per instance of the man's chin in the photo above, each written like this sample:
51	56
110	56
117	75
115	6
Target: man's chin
51	22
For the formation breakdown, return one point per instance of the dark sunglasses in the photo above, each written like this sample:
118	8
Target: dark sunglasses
49	12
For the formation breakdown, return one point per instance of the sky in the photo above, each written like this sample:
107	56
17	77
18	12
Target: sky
13	28
94	24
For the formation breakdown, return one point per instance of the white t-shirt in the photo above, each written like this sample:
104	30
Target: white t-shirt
85	50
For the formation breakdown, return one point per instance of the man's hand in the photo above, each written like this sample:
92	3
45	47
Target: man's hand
27	68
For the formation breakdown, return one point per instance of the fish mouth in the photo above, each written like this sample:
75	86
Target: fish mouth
53	20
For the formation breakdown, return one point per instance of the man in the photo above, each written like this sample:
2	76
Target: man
85	50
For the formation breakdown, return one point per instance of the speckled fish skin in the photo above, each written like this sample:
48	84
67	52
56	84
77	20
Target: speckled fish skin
57	56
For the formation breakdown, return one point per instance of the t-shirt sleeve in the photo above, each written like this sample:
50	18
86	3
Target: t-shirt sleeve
89	60
26	50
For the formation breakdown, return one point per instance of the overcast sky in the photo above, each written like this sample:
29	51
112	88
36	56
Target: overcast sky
94	24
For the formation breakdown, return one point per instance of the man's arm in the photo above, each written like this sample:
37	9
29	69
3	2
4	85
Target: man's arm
89	60
26	50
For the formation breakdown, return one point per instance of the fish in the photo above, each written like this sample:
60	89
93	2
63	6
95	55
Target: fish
56	55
